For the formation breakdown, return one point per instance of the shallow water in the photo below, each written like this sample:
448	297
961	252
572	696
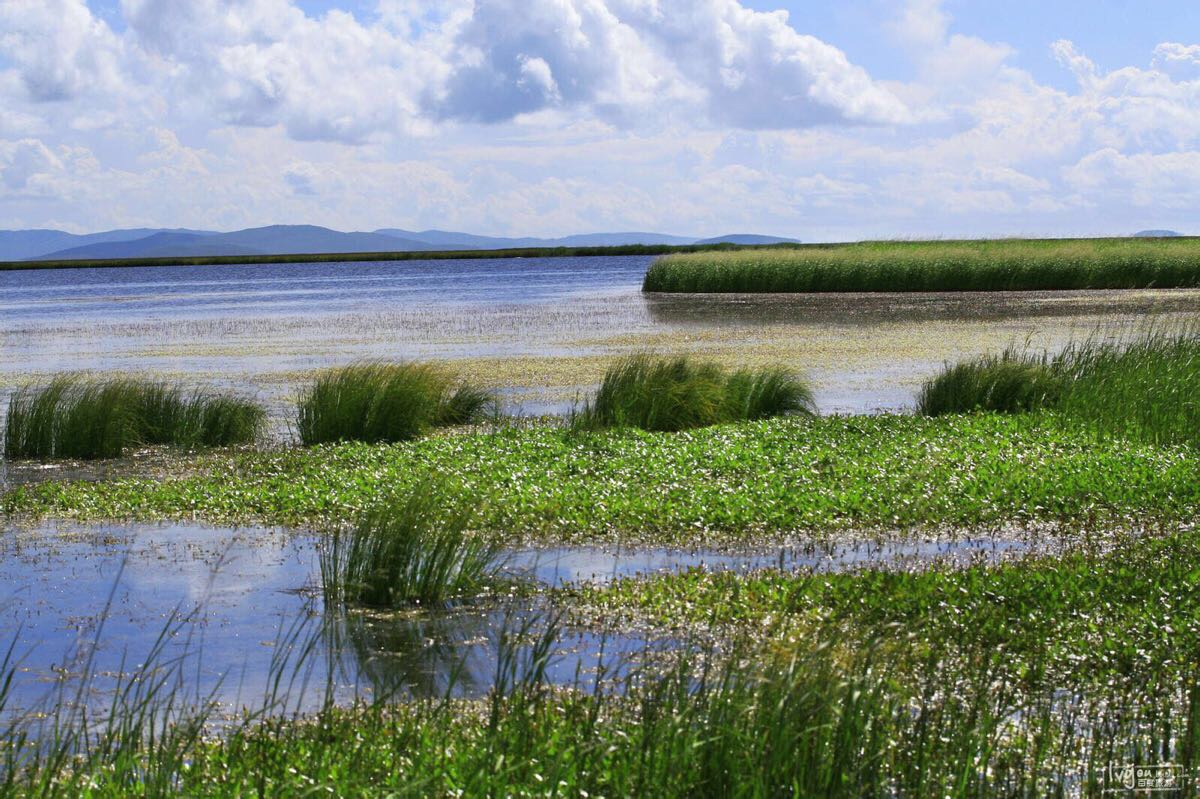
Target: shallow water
542	329
92	600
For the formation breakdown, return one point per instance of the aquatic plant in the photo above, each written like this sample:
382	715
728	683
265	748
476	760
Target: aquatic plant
990	265
79	416
1005	383
736	482
416	549
377	402
680	393
1145	386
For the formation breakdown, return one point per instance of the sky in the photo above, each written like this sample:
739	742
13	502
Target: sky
823	121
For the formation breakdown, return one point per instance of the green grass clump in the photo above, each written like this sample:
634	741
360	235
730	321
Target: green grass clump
377	402
412	550
1145	388
76	416
1006	383
680	393
1007	264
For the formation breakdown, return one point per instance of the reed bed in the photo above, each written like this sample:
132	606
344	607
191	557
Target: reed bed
1146	387
388	402
680	393
996	265
885	717
77	416
414	550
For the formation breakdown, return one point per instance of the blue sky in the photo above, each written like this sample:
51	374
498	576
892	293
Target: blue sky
846	120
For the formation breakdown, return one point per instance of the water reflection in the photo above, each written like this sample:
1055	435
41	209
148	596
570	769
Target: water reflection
880	308
87	605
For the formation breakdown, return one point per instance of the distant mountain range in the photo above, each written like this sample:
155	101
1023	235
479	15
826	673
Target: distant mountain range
1157	234
53	245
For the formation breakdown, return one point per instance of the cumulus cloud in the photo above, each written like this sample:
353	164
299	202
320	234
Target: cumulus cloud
558	116
22	160
1173	53
59	49
1166	180
716	58
415	65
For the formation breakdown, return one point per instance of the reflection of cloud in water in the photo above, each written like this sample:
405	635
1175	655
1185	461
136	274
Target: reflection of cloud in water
251	593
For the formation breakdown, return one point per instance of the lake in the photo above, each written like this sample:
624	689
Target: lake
539	330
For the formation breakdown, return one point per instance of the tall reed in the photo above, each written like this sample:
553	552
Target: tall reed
77	416
383	402
1008	264
1145	386
671	394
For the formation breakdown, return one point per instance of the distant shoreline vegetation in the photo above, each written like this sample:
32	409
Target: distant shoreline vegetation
900	266
413	255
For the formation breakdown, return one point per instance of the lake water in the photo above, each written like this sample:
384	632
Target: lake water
540	330
91	601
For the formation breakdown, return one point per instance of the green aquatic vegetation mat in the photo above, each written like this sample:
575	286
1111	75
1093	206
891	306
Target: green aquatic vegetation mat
730	482
1130	611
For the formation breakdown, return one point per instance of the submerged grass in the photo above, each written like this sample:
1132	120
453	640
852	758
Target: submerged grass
995	265
76	416
679	393
377	402
1144	388
414	549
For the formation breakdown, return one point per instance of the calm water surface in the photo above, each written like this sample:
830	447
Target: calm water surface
539	329
92	600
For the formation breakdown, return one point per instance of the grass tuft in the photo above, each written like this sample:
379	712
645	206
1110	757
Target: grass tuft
1146	388
1007	383
75	416
680	393
386	402
411	550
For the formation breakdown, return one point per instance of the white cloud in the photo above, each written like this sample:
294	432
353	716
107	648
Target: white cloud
557	116
337	78
1171	54
625	59
58	47
23	160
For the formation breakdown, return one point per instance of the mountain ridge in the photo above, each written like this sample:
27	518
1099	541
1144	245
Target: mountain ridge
55	245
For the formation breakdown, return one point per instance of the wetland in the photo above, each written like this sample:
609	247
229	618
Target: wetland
854	594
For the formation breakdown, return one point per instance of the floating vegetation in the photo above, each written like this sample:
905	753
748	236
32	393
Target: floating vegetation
411	550
940	712
385	402
987	265
770	479
77	416
670	394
